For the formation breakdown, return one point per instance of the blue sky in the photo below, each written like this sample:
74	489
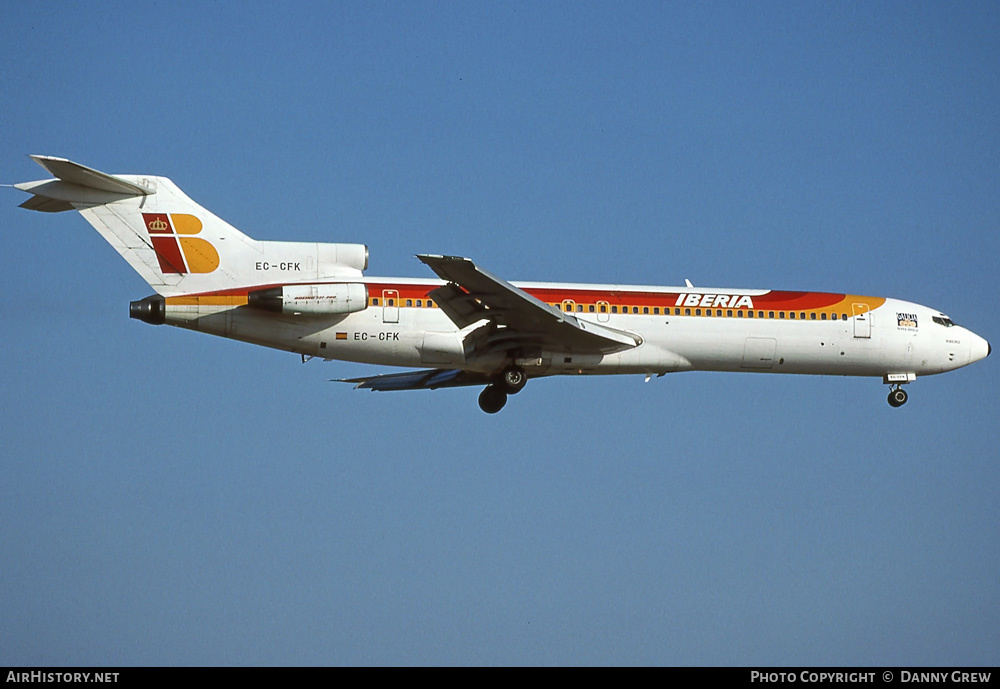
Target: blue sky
171	498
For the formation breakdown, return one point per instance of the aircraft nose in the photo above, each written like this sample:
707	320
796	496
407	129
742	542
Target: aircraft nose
980	348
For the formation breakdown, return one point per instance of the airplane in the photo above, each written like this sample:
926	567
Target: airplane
470	327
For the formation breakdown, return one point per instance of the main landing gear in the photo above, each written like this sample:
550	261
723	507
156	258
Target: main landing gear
897	396
511	381
492	399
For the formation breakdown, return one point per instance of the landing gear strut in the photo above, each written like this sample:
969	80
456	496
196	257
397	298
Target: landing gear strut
897	396
492	399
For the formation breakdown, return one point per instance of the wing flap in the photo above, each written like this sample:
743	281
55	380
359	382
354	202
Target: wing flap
458	305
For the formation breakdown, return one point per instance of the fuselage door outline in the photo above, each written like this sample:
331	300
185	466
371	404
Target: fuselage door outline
603	311
862	321
390	306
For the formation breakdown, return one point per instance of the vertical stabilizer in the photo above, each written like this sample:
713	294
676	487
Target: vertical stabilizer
176	245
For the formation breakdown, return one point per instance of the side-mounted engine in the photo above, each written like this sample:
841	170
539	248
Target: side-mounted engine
311	300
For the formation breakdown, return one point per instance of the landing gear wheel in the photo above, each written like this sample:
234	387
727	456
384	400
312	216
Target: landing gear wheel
513	379
897	397
492	399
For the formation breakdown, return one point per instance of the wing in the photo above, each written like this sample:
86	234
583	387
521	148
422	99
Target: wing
419	380
521	321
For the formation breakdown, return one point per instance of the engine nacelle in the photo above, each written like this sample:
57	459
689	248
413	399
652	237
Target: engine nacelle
350	255
152	310
311	300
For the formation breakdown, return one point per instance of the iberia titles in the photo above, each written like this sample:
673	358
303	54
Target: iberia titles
728	301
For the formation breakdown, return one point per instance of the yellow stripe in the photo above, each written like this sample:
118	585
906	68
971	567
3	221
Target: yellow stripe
207	301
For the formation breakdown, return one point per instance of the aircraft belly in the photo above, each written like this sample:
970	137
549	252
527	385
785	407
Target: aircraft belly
349	337
767	346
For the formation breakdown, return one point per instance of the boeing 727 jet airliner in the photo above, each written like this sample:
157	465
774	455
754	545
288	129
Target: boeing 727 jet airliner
471	327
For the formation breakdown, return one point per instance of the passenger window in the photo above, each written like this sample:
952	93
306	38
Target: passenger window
409	302
718	312
822	316
697	312
749	314
770	314
790	315
375	301
687	312
739	314
614	309
656	310
635	309
812	316
645	310
843	316
579	308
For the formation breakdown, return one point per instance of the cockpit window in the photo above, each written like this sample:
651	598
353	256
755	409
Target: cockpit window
943	320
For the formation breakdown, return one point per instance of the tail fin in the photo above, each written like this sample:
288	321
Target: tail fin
171	241
177	246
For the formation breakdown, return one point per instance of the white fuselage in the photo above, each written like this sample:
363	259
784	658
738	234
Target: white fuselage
314	299
811	333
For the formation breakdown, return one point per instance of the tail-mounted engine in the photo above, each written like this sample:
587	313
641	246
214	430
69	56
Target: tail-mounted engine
152	310
311	300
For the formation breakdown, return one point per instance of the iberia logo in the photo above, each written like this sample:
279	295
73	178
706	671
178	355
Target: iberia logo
176	250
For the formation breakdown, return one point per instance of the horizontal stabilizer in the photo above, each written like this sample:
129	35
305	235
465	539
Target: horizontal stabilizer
46	204
75	185
74	173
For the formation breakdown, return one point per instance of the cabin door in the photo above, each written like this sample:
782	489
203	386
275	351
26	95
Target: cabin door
390	306
862	320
